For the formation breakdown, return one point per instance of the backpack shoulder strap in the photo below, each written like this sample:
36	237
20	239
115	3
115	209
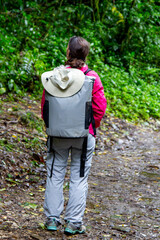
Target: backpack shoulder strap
84	147
88	70
83	157
93	121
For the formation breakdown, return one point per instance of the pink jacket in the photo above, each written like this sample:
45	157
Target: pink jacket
99	102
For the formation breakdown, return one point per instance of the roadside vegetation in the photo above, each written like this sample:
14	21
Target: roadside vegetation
125	42
123	201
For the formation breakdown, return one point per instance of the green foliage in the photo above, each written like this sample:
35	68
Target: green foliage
124	37
31	120
129	96
8	146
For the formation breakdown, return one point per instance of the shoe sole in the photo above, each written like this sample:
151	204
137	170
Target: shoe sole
68	231
51	228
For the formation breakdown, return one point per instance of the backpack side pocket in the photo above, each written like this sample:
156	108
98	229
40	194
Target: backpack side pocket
46	113
88	114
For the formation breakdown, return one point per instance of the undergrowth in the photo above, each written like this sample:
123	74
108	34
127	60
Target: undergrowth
124	49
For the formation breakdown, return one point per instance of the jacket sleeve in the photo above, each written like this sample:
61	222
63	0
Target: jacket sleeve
99	102
42	102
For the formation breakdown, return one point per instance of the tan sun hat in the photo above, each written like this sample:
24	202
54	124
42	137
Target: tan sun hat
62	81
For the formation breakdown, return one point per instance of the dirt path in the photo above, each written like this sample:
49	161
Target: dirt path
128	189
124	189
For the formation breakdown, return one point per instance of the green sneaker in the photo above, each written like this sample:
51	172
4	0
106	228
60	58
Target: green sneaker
52	224
72	229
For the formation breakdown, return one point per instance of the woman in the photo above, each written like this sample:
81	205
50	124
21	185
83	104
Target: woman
77	51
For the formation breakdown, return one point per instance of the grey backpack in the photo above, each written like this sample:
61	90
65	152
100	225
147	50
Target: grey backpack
70	117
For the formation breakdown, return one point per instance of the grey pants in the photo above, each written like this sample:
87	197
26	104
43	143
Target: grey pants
78	186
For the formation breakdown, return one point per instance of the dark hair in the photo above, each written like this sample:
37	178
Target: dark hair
78	50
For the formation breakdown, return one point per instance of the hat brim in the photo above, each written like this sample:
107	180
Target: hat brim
78	77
